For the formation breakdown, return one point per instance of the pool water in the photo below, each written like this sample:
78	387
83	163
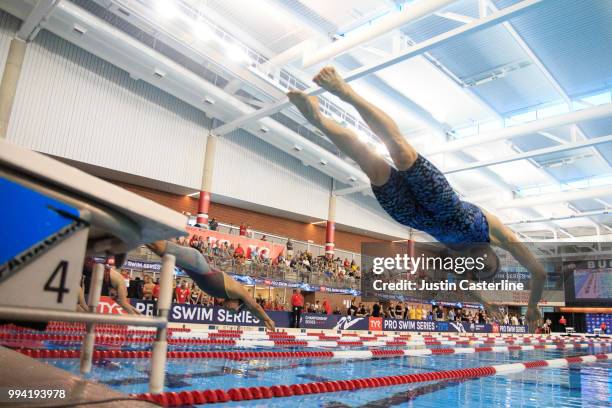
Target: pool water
574	386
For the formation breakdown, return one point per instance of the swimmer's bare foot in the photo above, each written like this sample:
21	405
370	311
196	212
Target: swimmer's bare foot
330	80
307	105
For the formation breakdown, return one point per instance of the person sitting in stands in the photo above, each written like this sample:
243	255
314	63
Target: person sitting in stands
213	224
239	253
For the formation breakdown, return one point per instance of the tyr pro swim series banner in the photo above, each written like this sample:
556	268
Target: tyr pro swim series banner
196	314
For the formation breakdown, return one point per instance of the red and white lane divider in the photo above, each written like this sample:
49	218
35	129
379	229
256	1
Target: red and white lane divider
173	399
247	343
341	354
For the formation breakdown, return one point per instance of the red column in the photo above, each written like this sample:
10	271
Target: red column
203	206
207	173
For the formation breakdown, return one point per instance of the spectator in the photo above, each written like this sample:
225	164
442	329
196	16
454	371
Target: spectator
297	304
362	310
563	322
398	310
156	290
352	310
337	311
239	253
213	224
514	320
376	309
326	306
255	254
289	245
194	297
263	238
451	315
604	328
147	288
317	307
243	230
182	293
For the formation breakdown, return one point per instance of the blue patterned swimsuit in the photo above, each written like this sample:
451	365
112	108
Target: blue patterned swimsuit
421	198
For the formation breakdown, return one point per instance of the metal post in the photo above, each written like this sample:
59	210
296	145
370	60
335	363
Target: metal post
10	78
95	288
160	347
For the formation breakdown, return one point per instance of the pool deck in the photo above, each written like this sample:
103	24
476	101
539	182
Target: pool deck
21	372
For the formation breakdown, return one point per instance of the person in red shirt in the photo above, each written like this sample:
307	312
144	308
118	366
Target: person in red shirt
239	252
604	328
563	322
156	290
182	293
243	230
326	306
297	304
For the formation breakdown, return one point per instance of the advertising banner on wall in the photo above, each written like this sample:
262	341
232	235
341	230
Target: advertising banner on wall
186	313
215	238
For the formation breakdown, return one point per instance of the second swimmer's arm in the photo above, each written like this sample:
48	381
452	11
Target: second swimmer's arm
235	290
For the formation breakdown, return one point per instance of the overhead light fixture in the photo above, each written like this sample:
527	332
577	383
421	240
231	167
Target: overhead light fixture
297	148
159	73
80	30
264	129
209	100
197	193
236	53
323	162
352	179
201	30
166	8
318	222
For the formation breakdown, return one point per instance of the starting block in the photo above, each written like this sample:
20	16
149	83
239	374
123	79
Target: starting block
53	215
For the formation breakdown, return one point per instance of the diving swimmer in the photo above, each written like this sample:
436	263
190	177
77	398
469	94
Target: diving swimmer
415	193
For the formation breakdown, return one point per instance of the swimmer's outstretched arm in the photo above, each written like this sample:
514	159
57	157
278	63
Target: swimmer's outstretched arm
118	283
503	237
214	282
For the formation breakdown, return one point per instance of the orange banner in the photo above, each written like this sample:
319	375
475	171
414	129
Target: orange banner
215	238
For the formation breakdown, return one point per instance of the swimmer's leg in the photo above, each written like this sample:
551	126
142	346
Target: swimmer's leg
213	281
402	153
375	167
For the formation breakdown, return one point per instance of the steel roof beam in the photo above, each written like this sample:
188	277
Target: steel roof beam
418	49
531	154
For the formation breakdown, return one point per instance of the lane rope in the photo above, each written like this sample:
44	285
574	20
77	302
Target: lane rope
173	399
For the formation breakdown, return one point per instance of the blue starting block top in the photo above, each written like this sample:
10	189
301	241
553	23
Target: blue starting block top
28	219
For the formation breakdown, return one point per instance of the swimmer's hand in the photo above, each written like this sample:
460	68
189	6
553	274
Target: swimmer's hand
307	105
330	80
270	324
533	317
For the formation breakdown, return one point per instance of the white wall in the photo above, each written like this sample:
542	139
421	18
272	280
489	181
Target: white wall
72	104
